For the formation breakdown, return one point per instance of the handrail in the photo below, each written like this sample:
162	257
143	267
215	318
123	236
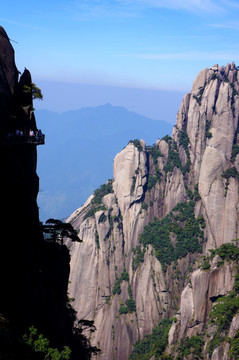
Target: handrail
22	139
38	139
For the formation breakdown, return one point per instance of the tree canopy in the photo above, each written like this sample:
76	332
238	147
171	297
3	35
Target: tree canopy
56	230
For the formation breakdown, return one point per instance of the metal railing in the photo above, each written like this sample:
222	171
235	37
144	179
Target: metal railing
22	139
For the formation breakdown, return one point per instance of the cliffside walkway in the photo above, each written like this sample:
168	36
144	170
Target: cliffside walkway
21	139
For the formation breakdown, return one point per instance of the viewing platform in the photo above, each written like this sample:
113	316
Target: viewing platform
20	139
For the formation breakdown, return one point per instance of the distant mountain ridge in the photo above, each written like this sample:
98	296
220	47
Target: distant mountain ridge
79	151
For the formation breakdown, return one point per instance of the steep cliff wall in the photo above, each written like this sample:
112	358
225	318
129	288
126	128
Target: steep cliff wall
145	231
20	230
33	273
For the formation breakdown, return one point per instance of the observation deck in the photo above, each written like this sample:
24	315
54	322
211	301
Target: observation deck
20	139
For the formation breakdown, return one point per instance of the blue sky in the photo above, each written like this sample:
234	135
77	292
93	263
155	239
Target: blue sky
137	44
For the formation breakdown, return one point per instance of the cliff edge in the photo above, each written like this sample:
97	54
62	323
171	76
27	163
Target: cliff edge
33	272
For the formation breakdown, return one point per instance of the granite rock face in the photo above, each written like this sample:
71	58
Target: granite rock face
198	165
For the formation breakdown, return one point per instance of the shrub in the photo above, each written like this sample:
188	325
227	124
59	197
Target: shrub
225	307
97	239
133	184
41	345
232	172
167	138
173	158
152	181
184	141
124	276
144	206
96	202
223	311
155	153
234	348
182	223
152	345
102	218
136	143
191	346
235	151
123	309
102	191
228	252
138	257
93	210
117	286
196	195
206	265
129	307
208	132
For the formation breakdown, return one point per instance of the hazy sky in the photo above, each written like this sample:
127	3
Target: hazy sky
148	44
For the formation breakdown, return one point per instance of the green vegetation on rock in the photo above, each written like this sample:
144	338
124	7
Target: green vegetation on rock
179	224
97	239
225	307
133	184
173	153
152	180
184	140
102	218
96	202
208	132
138	256
34	91
129	307
103	190
234	347
93	210
235	151
196	195
153	344
173	157
136	143
232	172
154	152
192	346
228	252
117	285
41	345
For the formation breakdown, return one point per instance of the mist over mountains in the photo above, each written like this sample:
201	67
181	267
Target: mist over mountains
79	151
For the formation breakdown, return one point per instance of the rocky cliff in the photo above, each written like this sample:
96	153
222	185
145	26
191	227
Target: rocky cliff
19	181
33	272
147	233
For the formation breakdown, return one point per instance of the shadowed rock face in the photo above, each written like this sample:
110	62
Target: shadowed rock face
192	165
8	80
33	273
19	181
9	72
